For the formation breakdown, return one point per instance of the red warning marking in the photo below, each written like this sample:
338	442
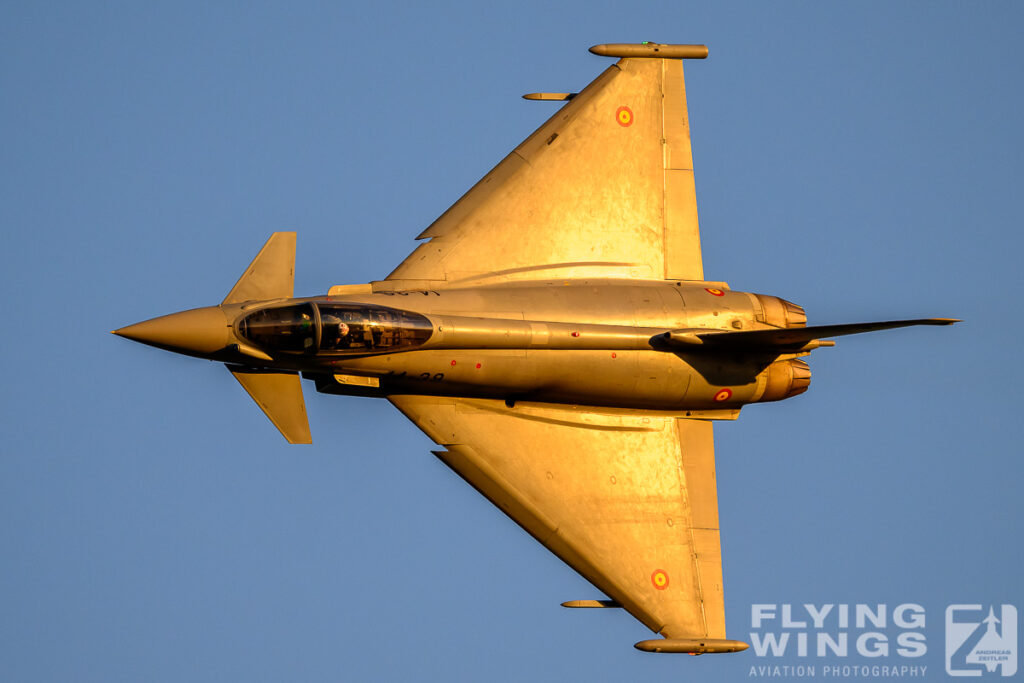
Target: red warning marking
660	579
575	334
624	115
714	292
453	363
477	366
723	395
614	356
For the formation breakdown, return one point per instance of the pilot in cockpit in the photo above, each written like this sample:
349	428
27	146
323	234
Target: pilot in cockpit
335	333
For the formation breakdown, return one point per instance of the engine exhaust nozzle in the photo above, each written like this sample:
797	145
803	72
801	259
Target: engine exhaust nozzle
786	378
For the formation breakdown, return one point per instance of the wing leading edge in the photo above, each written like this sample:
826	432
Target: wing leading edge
603	189
628	501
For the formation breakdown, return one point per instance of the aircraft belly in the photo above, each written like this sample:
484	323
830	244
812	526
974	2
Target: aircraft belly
622	379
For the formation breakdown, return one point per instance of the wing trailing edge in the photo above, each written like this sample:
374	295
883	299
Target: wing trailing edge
789	339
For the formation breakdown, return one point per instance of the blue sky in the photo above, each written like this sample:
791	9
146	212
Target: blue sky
861	159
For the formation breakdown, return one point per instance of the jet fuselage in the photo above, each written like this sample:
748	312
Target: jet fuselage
571	342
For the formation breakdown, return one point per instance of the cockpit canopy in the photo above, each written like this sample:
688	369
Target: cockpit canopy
334	328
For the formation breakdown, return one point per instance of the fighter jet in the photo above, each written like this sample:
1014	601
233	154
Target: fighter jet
555	335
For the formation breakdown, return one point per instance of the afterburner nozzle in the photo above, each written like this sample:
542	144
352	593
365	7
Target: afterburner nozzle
197	332
779	312
786	378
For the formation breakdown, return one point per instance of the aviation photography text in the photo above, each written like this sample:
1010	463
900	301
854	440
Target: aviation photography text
839	640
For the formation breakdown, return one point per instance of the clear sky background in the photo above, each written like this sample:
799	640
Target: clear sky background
861	159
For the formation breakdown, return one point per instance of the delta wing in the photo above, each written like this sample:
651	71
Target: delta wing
627	500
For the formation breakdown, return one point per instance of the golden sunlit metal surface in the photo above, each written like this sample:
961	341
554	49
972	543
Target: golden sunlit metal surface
555	336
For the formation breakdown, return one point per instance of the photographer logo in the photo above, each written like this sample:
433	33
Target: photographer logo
981	640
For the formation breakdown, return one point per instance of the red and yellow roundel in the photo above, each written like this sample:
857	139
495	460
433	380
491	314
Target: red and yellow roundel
624	115
660	579
714	291
723	395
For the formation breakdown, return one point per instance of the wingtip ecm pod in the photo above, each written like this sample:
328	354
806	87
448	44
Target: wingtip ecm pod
651	50
691	646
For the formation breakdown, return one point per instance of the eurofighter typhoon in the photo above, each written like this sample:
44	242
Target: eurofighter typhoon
555	335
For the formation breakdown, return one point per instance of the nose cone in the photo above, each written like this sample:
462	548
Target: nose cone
197	332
